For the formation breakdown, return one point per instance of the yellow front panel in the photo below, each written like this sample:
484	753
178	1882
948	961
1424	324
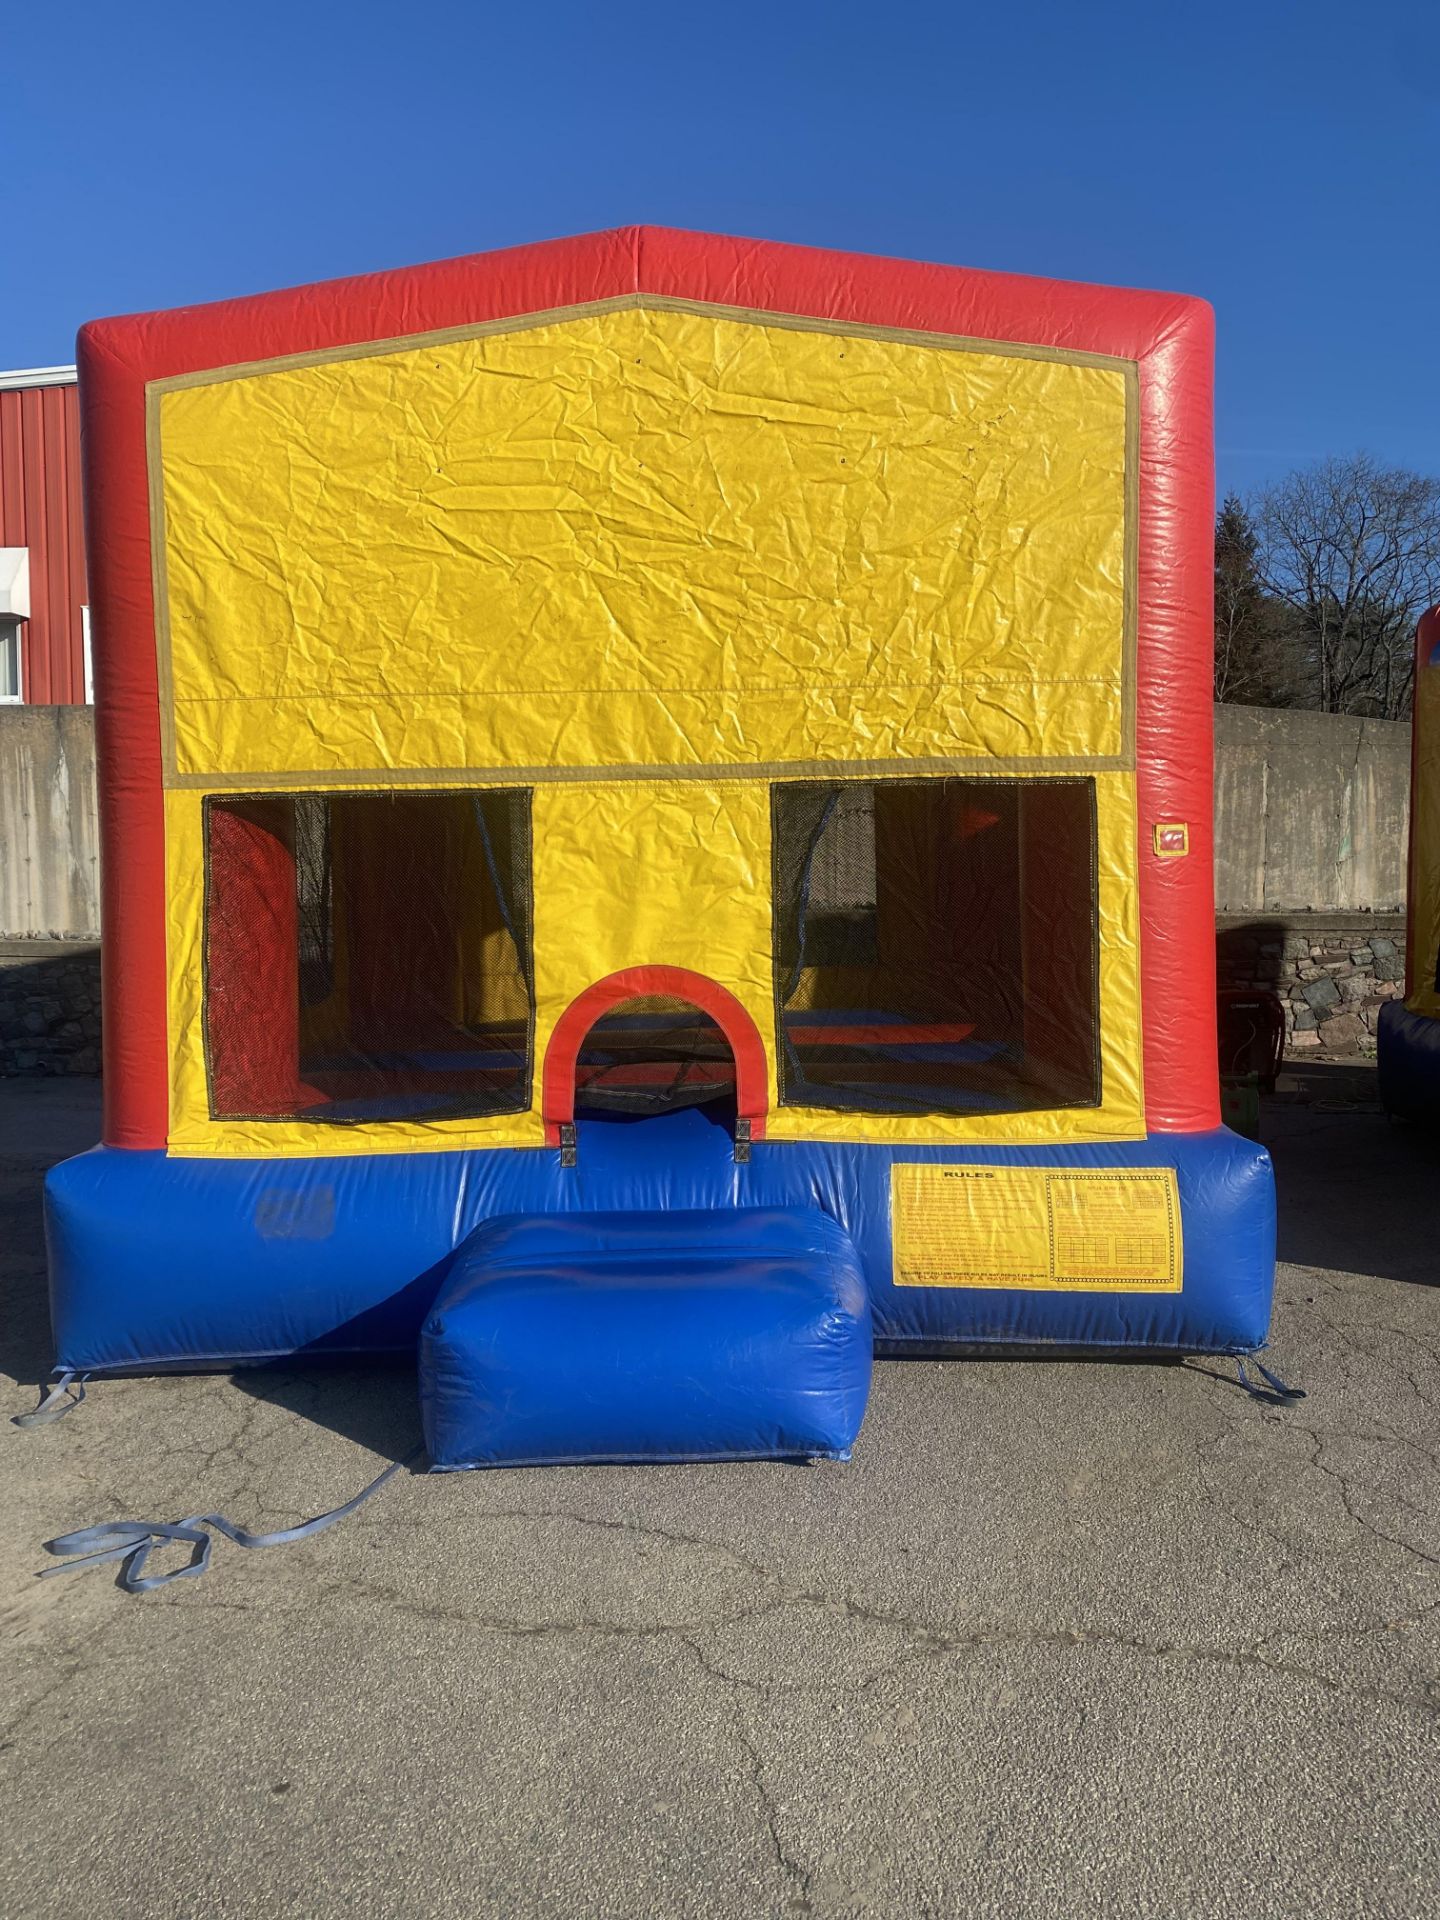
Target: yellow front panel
653	875
643	539
660	873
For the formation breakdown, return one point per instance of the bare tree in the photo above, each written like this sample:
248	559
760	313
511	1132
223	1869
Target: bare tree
1353	549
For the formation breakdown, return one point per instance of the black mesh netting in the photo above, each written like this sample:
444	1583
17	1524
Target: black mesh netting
368	956
936	945
653	1053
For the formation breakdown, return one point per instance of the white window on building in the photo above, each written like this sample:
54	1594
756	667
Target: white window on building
10	689
14	607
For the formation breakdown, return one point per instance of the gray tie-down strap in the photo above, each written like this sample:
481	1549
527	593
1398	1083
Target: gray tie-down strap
67	1392
133	1541
1274	1390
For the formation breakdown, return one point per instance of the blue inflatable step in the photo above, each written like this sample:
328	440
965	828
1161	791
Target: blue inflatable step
726	1335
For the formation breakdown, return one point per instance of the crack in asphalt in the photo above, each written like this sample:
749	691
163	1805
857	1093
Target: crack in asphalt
794	1870
926	1640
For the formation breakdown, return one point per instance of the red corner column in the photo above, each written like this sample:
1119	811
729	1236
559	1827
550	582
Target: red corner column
127	739
1175	724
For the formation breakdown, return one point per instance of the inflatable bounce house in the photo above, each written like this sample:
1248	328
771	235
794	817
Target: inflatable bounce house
1408	1040
656	822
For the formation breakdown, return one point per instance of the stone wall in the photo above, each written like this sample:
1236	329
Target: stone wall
49	1006
1332	972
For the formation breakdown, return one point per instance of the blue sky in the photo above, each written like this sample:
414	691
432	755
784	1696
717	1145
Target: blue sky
1281	159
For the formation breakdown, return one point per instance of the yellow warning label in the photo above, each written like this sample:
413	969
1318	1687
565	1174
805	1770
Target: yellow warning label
1070	1228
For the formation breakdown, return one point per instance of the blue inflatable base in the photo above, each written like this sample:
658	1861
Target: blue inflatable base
1408	1059
160	1262
610	1337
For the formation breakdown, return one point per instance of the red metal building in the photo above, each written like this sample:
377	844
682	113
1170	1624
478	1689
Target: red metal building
44	619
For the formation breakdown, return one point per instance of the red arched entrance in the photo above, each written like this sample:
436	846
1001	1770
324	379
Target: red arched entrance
632	983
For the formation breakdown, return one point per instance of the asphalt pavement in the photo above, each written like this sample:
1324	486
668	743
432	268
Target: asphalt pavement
1064	1639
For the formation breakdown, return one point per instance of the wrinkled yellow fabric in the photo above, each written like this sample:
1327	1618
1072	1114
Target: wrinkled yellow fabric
650	551
647	539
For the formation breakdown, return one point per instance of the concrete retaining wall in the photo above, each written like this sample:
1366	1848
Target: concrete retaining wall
1310	811
49	844
1310	860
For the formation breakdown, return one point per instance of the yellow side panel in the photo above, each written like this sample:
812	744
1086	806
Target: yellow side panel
659	873
1423	926
641	539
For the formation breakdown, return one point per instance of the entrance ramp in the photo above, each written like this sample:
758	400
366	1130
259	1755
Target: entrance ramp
606	1337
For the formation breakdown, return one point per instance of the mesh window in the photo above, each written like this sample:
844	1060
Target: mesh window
368	956
937	945
653	1053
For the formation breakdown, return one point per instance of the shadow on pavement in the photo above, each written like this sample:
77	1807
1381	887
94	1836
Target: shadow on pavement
376	1405
1358	1192
43	1119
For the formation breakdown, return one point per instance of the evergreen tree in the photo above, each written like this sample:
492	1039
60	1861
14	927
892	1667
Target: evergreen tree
1260	656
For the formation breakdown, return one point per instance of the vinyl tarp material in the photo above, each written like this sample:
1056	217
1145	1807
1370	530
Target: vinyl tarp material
157	1261
647	1336
1408	1060
1090	404
636	529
